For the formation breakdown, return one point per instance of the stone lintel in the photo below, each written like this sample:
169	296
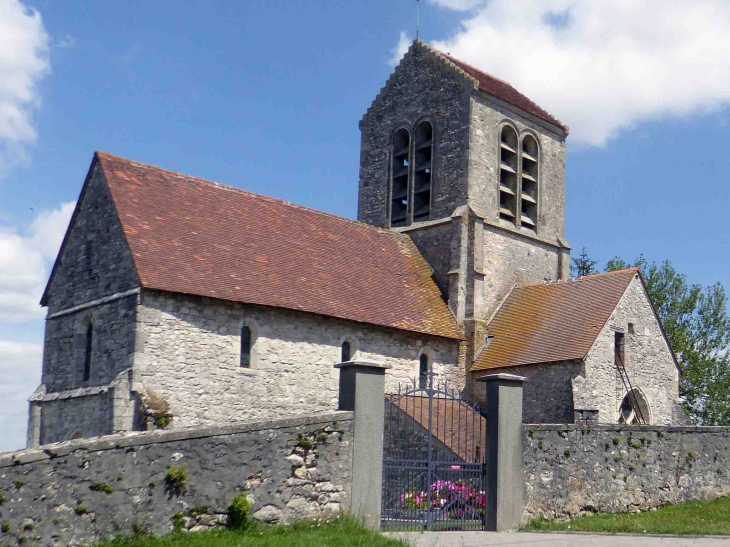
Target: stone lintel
504	377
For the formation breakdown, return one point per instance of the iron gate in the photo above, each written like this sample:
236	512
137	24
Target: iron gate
434	468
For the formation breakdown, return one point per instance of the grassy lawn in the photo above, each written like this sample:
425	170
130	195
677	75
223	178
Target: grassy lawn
698	517
342	532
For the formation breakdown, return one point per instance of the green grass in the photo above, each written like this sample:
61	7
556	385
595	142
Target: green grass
342	532
697	517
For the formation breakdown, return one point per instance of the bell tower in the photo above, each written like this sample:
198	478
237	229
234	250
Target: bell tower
474	172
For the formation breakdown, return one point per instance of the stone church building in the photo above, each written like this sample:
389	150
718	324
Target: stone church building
183	302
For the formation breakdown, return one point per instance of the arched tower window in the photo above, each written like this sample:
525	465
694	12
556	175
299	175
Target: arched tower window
422	371
401	171
245	347
423	172
345	351
87	354
529	157
508	174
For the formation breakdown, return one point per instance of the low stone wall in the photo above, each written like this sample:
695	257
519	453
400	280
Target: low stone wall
79	492
571	470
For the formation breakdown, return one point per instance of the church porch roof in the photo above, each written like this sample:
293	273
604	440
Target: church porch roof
552	321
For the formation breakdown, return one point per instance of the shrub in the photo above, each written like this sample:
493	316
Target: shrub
155	403
21	540
238	517
617	459
101	487
305	443
616	440
56	521
177	476
28	526
2	498
539	445
19	484
81	510
5	527
162	420
566	451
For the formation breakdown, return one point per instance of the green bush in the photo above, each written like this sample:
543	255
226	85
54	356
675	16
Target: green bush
101	487
81	510
19	484
177	476
5	527
2	498
566	451
238	517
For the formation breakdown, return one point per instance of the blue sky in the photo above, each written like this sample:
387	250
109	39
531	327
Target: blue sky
267	95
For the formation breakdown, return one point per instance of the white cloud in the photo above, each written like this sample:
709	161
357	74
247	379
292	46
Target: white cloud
459	5
401	48
20	364
23	63
67	41
601	66
25	263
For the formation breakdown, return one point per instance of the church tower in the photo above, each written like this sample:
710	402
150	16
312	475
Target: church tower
474	172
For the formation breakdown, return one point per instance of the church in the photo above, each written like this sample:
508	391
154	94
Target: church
177	302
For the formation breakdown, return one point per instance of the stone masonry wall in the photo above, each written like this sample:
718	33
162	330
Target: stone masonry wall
188	351
75	417
648	359
486	117
420	88
95	260
80	492
112	345
511	259
573	470
547	396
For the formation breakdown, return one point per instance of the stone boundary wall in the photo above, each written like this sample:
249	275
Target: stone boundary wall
79	492
572	470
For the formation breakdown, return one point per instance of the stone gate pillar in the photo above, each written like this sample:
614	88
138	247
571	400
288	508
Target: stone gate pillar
362	390
505	483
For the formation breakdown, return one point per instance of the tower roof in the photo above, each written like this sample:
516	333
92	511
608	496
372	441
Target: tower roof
505	91
189	235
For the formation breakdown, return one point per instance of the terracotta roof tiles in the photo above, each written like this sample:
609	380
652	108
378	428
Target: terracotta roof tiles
550	322
503	90
189	235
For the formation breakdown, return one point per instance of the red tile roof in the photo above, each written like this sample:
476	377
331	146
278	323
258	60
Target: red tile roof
550	322
461	429
503	90
189	235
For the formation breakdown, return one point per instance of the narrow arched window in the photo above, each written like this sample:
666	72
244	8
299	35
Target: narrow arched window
423	171
508	174
423	371
529	157
345	351
401	173
87	355
245	347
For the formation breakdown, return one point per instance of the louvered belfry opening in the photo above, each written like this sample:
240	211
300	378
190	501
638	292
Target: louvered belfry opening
423	172
528	198
508	174
401	178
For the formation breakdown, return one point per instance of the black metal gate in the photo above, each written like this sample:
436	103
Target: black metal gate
434	468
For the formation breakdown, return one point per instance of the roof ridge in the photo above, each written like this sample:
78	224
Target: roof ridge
235	189
576	279
459	64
